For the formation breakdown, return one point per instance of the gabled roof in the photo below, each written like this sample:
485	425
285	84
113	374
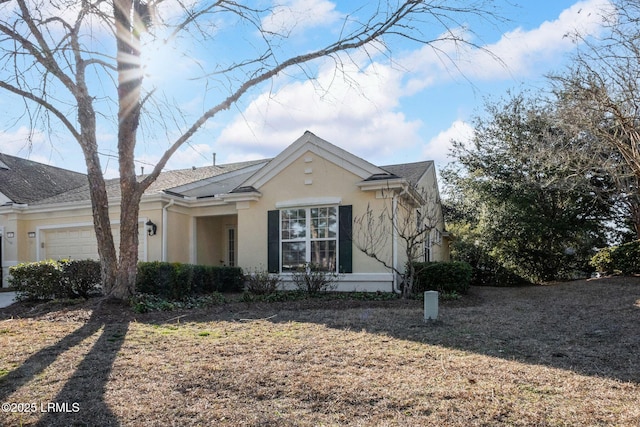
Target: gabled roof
238	180
24	181
310	142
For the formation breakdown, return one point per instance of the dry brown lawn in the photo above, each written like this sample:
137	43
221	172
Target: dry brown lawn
564	354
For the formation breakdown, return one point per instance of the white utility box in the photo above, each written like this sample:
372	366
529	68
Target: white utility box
430	305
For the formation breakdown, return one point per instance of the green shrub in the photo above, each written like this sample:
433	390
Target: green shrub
36	280
83	277
143	303
230	279
154	278
179	281
181	285
50	279
623	259
602	261
446	277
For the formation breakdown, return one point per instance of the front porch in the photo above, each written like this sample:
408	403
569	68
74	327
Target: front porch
217	240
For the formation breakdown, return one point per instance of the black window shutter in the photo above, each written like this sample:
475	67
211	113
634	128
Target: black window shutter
273	241
345	219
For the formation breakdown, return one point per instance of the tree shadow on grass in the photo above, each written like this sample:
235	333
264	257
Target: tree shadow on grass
588	327
81	400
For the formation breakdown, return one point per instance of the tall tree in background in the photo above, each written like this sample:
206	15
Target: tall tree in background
75	61
599	95
531	202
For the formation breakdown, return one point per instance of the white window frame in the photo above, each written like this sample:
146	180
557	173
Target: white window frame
428	248
308	239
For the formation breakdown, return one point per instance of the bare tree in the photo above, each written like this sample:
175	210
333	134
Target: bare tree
410	217
599	96
54	55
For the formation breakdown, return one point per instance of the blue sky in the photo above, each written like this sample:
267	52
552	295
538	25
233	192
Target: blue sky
386	114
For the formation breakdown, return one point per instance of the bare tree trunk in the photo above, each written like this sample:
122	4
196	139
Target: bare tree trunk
129	94
373	233
98	191
102	227
128	263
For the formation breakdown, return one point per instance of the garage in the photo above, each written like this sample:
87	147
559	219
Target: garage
78	243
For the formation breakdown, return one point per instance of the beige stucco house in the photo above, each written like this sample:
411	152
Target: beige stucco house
273	214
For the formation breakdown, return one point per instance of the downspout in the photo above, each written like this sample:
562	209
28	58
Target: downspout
165	234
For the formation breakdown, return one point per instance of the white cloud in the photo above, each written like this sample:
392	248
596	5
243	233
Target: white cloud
360	113
518	53
32	145
437	149
357	113
295	16
521	50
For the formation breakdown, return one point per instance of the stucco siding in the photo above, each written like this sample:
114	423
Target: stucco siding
179	228
308	179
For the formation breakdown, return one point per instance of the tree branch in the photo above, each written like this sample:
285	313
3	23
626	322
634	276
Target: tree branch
42	102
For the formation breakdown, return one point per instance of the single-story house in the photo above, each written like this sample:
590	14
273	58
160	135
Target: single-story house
275	214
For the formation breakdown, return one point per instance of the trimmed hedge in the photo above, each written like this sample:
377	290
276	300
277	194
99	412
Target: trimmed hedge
50	279
623	259
443	277
178	281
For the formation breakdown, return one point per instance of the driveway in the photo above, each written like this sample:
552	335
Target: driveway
7	298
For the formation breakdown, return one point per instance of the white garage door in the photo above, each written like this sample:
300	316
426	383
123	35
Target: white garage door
79	243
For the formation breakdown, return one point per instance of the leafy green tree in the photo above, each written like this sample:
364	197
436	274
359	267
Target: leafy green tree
531	204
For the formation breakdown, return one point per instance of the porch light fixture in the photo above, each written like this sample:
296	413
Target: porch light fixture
10	234
31	234
151	228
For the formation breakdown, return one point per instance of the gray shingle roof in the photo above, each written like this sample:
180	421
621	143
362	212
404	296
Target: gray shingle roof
208	181
25	181
218	184
412	172
168	180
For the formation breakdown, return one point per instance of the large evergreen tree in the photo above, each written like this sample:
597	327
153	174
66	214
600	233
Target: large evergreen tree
534	205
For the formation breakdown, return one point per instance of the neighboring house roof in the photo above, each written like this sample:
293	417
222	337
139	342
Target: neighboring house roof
243	177
24	181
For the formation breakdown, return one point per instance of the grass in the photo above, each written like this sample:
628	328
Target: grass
559	355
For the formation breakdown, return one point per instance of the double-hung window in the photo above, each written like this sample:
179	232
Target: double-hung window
309	236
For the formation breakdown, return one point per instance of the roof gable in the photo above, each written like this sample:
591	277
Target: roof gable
309	142
233	179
